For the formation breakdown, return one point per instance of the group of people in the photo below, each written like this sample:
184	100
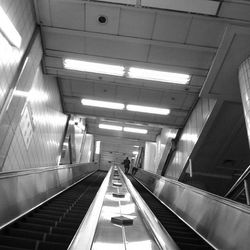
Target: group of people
126	163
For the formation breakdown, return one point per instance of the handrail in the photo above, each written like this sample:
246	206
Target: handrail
161	235
239	181
29	171
222	222
84	236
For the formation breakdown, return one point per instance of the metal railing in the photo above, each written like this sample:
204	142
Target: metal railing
241	187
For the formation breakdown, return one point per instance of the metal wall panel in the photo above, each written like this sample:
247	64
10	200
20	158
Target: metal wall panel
22	190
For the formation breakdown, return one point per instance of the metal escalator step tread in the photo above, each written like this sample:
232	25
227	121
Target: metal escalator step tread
62	230
22	233
59	238
68	225
52	246
15	241
46	216
31	226
40	221
2	247
188	246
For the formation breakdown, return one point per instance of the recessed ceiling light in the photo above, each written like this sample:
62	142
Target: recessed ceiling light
8	30
135	130
102	104
110	127
100	68
146	109
156	75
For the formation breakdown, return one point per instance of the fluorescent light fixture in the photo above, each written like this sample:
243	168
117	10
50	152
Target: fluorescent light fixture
156	75
111	127
145	109
135	146
97	147
135	130
135	152
101	68
102	104
8	30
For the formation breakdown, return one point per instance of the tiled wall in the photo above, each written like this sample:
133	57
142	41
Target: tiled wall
21	14
156	152
49	124
244	80
189	137
36	97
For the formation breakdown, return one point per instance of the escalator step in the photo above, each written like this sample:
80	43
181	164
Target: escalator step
14	241
59	238
35	227
52	246
21	233
62	230
40	221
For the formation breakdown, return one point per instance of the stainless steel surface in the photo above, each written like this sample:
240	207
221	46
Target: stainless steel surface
222	222
237	188
23	190
160	234
247	192
85	233
98	232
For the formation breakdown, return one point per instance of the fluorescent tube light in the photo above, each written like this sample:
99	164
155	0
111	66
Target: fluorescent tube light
102	104
145	109
8	30
101	68
111	127
155	75
135	146
135	130
135	152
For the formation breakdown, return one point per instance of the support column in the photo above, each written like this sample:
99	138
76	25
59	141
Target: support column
244	81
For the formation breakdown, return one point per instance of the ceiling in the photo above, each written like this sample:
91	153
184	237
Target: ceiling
203	38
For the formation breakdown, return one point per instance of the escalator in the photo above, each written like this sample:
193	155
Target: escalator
53	224
182	234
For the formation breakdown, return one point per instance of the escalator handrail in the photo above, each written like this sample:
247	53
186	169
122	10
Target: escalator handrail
217	198
238	182
84	236
161	235
10	174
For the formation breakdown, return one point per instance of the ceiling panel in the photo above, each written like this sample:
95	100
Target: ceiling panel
164	27
128	94
44	12
206	32
67	14
82	88
105	91
150	97
136	23
112	13
64	42
180	57
116	49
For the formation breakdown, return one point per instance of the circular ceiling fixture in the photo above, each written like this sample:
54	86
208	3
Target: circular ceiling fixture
102	19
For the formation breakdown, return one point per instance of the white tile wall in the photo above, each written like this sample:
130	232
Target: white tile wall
44	102
189	137
244	80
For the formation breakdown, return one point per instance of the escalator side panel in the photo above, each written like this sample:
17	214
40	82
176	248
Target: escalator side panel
23	190
222	222
54	223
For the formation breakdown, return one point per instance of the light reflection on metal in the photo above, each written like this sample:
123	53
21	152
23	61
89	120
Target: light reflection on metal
206	213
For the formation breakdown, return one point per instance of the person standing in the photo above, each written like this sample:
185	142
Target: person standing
126	163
